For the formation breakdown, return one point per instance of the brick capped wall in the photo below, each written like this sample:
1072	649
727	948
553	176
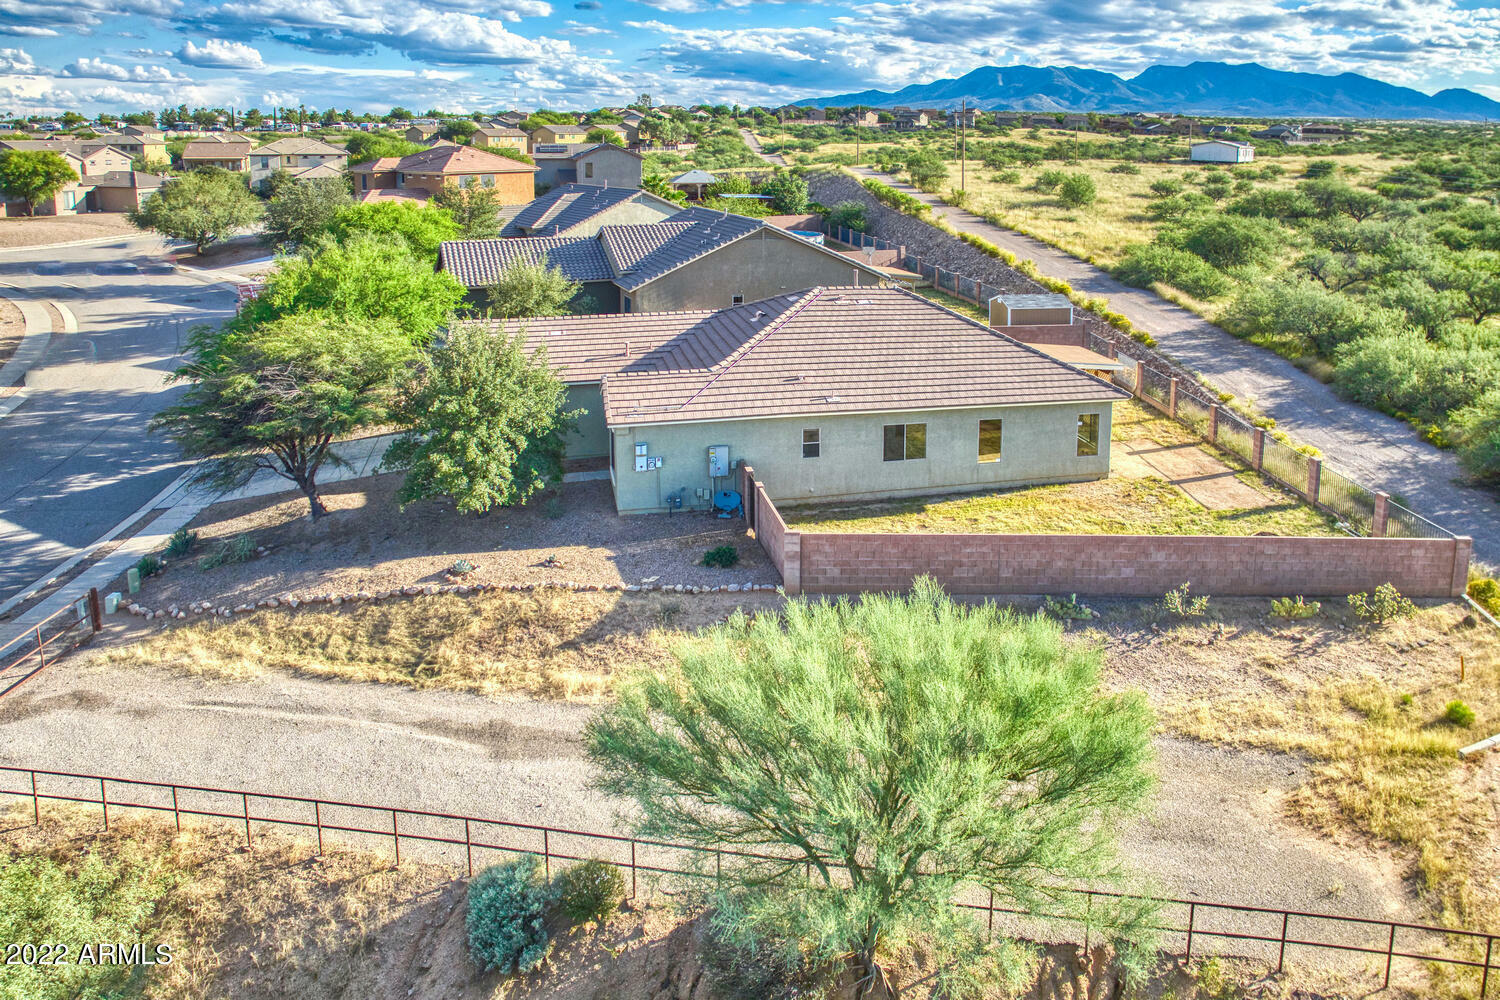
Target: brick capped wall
1131	565
1070	335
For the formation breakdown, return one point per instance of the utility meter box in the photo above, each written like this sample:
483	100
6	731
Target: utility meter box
718	460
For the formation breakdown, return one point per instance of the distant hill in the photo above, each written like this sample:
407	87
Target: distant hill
1245	90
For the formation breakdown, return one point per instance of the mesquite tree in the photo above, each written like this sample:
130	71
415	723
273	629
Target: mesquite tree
892	751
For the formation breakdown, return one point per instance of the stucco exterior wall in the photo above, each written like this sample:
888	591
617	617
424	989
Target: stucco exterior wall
590	438
612	167
630	213
759	266
1039	445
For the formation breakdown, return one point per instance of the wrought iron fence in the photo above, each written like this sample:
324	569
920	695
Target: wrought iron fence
1254	931
30	654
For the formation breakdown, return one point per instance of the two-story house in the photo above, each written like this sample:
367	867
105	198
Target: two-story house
229	151
303	157
500	137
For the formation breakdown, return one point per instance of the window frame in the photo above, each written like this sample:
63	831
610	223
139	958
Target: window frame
1088	447
816	442
999	431
906	442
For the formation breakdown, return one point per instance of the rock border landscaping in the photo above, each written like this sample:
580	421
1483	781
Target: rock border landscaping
293	600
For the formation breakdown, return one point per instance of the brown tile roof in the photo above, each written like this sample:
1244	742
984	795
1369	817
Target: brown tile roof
216	149
570	205
627	246
298	145
460	160
500	130
376	166
478	263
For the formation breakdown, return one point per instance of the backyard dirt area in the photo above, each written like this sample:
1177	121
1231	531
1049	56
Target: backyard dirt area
45	230
1162	481
237	250
570	534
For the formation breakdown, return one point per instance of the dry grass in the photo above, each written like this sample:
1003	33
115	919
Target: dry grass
46	229
547	643
1365	709
1129	501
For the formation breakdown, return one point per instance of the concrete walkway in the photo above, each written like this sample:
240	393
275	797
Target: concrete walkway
1376	450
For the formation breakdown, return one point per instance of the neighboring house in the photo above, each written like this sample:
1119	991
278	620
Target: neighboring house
499	137
140	142
553	135
966	119
907	120
1009	119
1322	130
418	176
1286	133
1221	151
1075	121
227	152
1215	131
865	119
303	158
90	160
831	392
696	259
123	190
420	133
600	163
583	209
511	118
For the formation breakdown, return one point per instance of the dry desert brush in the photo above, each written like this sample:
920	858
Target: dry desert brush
891	751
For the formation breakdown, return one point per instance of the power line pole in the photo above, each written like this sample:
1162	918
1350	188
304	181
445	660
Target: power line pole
963	146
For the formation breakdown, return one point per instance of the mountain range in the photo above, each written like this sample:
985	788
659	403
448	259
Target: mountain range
1244	90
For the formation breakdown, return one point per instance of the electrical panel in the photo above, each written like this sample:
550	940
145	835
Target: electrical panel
718	460
641	461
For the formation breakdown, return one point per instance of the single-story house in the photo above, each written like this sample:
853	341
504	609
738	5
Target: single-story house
1009	119
419	175
863	119
961	118
693	182
583	209
828	393
1286	133
600	163
500	137
123	190
303	157
227	152
907	120
1221	151
696	259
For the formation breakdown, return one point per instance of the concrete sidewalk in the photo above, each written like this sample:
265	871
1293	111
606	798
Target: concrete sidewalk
178	504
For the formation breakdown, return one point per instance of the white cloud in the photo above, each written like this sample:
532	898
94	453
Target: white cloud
17	61
216	53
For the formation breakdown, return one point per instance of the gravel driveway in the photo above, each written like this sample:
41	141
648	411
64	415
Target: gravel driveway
1379	451
1217	834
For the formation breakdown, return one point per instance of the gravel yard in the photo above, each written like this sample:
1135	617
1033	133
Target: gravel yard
45	230
12	328
571	535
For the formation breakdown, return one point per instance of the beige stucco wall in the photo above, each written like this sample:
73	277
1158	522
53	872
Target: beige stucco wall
630	213
1039	445
590	438
612	167
759	266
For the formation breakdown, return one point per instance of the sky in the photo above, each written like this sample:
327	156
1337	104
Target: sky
487	55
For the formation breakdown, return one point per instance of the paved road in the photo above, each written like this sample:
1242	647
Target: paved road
75	458
1370	447
1219	831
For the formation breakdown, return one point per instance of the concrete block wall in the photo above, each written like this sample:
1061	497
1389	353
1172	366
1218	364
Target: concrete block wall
1060	335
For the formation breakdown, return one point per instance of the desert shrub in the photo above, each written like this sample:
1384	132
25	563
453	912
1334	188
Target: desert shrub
1166	187
1285	205
1231	241
1008	177
1459	714
747	967
461	567
148	566
181	543
1303	310
238	549
1476	431
849	215
721	556
1124	168
1182	604
590	891
1068	608
1385	605
1147	263
1485	592
1179	206
1318	168
1408	374
507	916
1294	608
1077	190
1048	180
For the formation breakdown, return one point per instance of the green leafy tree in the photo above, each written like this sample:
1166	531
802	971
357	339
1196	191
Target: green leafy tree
34	176
891	751
365	146
789	193
925	167
422	227
458	130
1476	428
277	396
369	277
530	289
849	215
202	207
604	135
484	422
476	209
302	210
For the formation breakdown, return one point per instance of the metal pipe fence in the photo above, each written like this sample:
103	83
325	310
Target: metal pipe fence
464	840
35	650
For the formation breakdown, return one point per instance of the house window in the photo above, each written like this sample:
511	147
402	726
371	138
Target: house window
265	162
400	180
364	182
812	445
989	440
736	300
588	168
465	181
904	442
1088	433
489	180
626	306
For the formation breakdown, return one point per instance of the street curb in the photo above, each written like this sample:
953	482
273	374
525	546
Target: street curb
75	243
34	341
